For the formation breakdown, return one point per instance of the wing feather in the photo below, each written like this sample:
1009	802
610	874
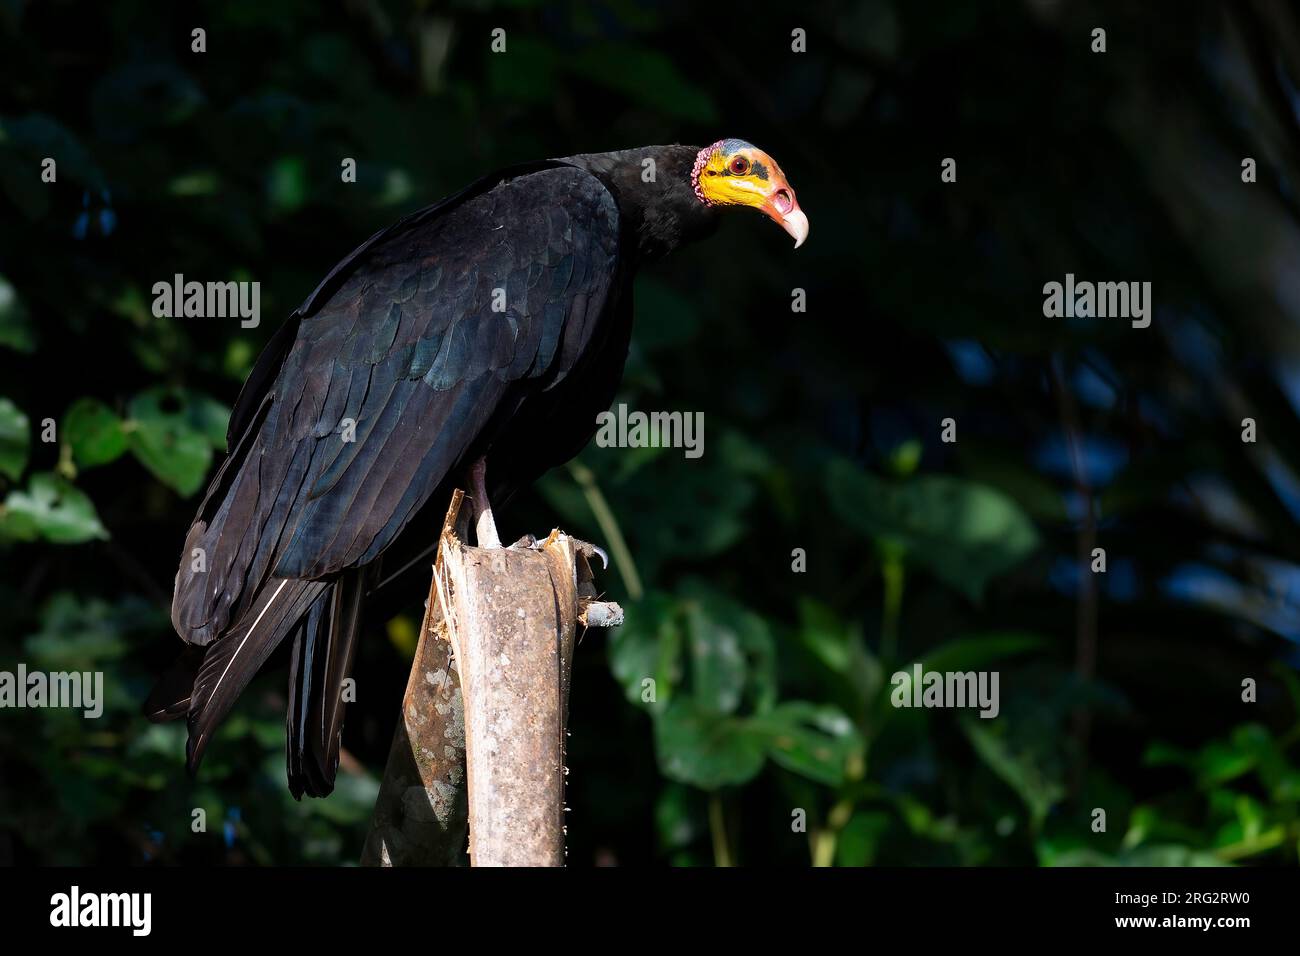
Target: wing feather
409	338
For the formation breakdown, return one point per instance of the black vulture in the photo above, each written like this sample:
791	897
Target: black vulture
478	339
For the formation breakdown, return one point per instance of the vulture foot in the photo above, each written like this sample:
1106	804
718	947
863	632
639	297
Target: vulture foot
585	548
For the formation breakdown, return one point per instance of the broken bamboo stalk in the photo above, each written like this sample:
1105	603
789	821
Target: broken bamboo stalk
510	617
421	813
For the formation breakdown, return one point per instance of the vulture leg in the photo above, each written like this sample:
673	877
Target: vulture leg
485	526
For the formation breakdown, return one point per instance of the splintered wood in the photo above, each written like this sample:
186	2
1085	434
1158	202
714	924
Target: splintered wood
495	761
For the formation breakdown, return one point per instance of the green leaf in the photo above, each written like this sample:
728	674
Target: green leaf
813	740
94	432
706	749
678	819
202	182
353	799
717	660
1161	754
15	326
1181	856
648	646
1017	766
860	837
965	533
79	634
1001	468
1219	763
1271	763
211	418
840	648
172	432
14	439
1145	856
906	457
286	186
50	508
824	635
732	651
1141	822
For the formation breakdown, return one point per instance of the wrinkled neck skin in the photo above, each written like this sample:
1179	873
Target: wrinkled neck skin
659	215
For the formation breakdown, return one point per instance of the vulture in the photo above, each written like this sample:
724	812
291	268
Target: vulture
476	340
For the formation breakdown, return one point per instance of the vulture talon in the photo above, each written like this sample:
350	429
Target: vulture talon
585	548
588	550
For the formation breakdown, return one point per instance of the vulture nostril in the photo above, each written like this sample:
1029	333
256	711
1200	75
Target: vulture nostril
781	199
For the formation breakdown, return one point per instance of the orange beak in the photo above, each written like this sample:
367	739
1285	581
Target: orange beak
782	207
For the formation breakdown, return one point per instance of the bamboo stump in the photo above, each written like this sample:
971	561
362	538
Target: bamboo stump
481	740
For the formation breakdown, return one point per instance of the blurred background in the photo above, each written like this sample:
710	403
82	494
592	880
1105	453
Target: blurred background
1120	690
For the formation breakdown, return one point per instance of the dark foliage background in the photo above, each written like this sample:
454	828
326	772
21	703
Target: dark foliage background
1120	690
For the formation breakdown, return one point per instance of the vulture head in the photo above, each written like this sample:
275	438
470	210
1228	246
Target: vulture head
733	172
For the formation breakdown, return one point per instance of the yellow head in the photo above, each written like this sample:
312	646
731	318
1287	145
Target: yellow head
732	172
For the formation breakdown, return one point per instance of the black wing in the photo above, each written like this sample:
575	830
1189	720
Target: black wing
403	361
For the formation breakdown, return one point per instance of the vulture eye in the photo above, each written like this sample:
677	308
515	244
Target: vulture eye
739	166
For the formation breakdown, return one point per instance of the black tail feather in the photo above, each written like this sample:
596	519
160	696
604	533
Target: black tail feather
324	618
324	646
232	660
